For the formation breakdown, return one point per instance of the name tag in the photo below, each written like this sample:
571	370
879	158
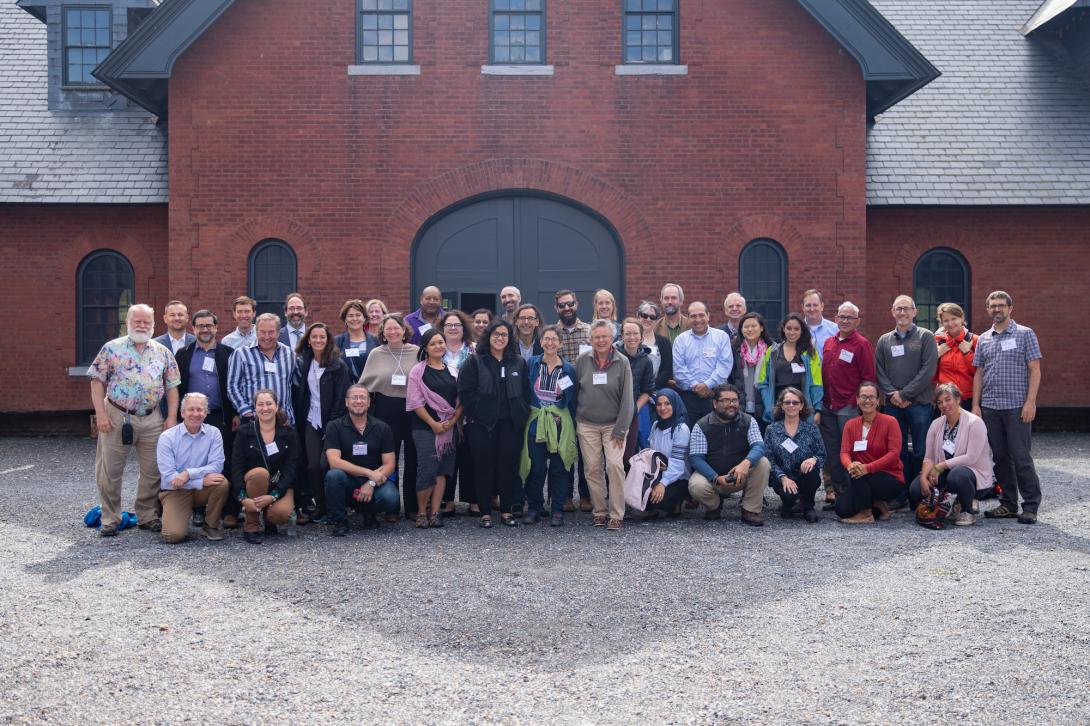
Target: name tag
792	447
654	350
860	445
600	379
751	406
948	446
397	379
563	383
271	448
270	367
798	368
1008	344
209	365
584	348
896	350
847	356
709	352
424	328
352	353
359	449
503	373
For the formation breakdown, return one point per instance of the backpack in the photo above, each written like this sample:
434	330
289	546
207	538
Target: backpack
647	469
932	511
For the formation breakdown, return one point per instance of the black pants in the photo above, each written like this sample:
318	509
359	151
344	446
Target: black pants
671	499
862	493
961	480
808	485
1014	467
496	454
391	411
313	484
465	479
696	407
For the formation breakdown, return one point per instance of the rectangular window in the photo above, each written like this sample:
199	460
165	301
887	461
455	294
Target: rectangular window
517	32
385	31
650	31
87	41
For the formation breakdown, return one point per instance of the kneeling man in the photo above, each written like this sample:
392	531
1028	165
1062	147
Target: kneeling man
190	459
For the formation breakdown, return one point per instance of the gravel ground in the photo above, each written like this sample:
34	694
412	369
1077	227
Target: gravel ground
682	621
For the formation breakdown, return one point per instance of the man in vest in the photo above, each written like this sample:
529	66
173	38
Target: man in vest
726	452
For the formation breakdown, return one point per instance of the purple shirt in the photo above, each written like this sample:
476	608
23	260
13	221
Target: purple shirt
415	319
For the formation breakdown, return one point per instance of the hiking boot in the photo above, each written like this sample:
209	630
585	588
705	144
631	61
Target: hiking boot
1001	512
108	530
753	519
153	526
210	534
1027	517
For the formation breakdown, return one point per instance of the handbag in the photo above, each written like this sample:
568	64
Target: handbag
647	468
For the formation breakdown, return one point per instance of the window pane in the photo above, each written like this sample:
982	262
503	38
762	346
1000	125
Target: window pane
105	293
533	54
940	276
503	54
385	53
762	281
401	22
401	53
273	272
533	22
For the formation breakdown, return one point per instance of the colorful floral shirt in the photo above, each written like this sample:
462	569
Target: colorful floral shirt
135	380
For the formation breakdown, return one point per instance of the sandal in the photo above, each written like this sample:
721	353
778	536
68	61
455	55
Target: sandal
435	520
421	521
486	522
509	520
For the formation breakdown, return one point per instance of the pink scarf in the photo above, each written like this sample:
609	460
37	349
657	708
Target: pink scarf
419	395
753	357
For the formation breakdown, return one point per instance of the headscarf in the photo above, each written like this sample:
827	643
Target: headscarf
680	414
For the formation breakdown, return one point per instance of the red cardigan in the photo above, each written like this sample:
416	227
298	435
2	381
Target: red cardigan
883	446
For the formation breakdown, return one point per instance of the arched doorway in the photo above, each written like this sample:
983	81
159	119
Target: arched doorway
539	244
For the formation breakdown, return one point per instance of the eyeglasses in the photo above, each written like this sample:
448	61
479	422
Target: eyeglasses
902	309
791	403
452	326
564	305
499	334
846	318
358	398
728	401
649	316
524	319
867	397
205	326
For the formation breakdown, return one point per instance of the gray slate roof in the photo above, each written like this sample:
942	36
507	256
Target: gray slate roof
1004	124
68	156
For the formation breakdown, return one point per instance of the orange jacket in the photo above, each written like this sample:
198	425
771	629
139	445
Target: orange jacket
957	367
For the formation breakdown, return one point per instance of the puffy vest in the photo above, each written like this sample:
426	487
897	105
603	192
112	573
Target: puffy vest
728	443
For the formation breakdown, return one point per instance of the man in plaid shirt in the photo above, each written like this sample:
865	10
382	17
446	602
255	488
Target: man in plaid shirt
1008	374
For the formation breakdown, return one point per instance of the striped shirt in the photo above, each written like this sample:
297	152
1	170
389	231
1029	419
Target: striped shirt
249	370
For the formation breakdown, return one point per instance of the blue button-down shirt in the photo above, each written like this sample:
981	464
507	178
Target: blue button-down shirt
235	339
821	332
202	381
706	359
199	454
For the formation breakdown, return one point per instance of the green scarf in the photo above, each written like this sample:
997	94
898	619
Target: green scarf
562	442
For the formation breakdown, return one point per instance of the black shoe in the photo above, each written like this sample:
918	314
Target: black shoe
270	529
557	519
531	517
340	529
252	537
810	515
198	518
786	512
1027	517
716	513
370	521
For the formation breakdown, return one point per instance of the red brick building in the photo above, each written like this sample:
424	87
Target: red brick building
222	147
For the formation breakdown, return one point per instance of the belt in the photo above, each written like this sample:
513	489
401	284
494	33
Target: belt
131	412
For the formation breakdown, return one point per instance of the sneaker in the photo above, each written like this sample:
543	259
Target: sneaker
614	525
153	526
964	519
210	534
531	517
599	520
340	529
557	520
108	530
753	519
1001	512
1027	517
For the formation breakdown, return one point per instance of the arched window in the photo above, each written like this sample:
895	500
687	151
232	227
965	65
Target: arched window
762	280
272	274
104	291
941	275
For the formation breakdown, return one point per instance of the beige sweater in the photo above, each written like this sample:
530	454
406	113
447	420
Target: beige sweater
383	363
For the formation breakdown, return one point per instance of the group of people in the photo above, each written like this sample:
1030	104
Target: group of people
292	424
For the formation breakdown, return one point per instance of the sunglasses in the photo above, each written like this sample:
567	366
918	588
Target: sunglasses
562	305
649	316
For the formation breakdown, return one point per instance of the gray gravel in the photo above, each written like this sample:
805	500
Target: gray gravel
677	622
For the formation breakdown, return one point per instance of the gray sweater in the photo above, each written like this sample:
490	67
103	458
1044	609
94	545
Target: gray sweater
912	370
609	403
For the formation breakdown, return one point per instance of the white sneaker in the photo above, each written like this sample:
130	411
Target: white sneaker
964	519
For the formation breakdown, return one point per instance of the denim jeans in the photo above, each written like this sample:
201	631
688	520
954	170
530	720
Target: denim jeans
914	420
339	487
540	460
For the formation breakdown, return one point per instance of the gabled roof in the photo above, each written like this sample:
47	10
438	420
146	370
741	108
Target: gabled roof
115	157
1007	123
141	66
1050	10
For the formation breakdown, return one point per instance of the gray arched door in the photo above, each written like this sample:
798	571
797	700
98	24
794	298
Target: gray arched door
539	245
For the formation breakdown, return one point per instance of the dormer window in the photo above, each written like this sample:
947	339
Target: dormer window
87	41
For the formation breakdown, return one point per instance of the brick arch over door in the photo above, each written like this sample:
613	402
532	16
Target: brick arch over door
540	244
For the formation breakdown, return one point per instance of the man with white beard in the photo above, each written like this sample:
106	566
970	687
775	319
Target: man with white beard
129	377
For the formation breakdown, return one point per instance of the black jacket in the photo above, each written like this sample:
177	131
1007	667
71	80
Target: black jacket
480	385
333	386
643	371
247	453
666	364
223	355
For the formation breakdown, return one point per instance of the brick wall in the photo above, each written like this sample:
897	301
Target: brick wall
269	137
43	247
1038	255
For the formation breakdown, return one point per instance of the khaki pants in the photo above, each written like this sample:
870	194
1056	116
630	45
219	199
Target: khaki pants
178	507
711	496
279	512
596	442
110	456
